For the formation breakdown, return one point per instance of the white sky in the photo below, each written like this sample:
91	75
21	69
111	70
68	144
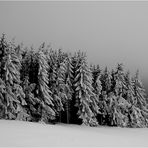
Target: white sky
110	32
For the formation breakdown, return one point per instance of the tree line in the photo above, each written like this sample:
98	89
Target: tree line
53	86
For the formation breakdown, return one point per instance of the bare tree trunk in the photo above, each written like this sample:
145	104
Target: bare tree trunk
60	116
67	111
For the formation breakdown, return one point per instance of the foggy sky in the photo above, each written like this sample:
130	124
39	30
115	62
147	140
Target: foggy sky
110	32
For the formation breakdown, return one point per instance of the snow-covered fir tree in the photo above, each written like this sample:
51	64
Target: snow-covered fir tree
97	89
97	85
65	84
29	82
106	81
43	91
119	106
14	97
129	96
120	85
31	100
54	83
86	99
140	99
3	46
2	98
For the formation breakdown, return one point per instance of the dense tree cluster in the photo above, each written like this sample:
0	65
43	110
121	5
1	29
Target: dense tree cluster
49	86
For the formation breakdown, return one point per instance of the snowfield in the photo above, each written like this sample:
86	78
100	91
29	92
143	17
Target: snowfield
18	133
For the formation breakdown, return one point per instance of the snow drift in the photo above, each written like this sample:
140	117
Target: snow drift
19	133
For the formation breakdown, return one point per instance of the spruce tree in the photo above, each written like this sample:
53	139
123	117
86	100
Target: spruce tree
31	100
73	109
29	79
103	108
119	104
43	91
140	99
97	84
129	96
118	108
65	84
86	99
97	89
14	97
3	45
2	98
106	81
120	84
53	75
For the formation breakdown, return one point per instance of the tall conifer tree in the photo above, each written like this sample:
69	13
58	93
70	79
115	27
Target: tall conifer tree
140	99
65	84
43	91
87	101
14	98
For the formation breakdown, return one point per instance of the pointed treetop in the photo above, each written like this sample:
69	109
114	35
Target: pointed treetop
120	67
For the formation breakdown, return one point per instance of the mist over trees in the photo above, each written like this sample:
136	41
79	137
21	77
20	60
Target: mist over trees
52	86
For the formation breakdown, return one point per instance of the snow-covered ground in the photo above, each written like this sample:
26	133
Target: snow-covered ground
18	133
